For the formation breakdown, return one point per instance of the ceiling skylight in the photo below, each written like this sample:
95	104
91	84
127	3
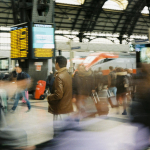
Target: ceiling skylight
116	4
71	2
145	10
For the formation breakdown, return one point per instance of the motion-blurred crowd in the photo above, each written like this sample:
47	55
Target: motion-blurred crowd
121	86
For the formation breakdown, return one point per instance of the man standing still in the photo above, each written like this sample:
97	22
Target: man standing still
60	101
22	83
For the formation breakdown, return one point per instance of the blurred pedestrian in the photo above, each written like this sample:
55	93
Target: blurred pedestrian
50	80
131	86
99	79
83	86
140	108
13	75
122	85
60	100
22	84
112	81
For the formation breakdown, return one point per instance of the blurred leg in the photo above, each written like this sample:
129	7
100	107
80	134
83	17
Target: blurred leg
124	97
113	90
17	97
28	103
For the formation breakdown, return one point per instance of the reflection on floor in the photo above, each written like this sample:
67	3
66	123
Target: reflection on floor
38	124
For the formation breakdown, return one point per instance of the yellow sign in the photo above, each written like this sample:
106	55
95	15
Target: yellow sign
19	43
43	52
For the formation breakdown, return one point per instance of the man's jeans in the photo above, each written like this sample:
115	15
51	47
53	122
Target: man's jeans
17	98
113	90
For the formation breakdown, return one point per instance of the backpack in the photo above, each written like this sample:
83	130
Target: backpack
113	79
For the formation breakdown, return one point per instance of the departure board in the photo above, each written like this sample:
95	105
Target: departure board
43	41
19	42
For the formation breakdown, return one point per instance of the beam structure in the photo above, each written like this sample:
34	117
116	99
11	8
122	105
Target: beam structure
97	14
15	13
77	16
148	5
131	21
121	16
92	15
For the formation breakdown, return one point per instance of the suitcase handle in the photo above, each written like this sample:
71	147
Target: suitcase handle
95	96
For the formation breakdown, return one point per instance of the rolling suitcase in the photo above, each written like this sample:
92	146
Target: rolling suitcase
101	105
112	99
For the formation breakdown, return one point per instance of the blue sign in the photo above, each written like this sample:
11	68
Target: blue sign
77	47
43	37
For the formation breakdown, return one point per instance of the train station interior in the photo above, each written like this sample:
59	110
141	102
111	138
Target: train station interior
75	74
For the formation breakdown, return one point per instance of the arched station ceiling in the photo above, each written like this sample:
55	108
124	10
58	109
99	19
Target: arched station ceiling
92	17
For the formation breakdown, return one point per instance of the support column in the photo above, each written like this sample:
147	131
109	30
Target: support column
14	11
60	52
71	57
148	5
120	39
23	12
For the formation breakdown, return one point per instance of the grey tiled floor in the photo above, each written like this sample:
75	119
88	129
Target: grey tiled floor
38	123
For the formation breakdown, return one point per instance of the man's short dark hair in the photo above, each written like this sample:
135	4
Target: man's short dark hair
111	68
62	61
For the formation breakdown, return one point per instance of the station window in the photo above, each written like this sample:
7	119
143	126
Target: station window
71	2
145	10
116	4
102	40
107	59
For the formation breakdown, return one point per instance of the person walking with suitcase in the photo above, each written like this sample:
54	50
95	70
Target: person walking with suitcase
22	84
83	86
122	85
112	81
112	88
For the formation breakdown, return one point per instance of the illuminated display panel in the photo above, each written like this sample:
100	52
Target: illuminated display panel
142	54
43	41
19	42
